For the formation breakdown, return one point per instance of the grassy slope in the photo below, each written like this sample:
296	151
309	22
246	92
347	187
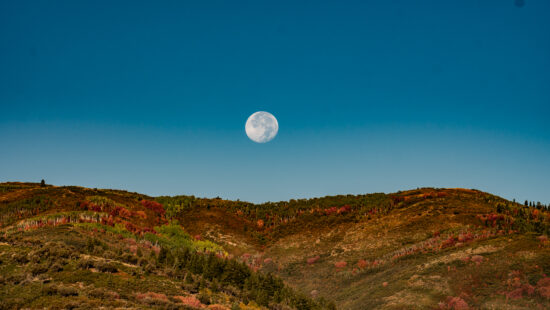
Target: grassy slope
57	252
414	266
429	250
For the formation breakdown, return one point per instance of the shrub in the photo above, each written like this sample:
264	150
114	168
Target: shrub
85	264
362	264
454	303
154	206
60	290
56	267
38	269
105	267
102	293
204	297
190	301
143	261
67	291
312	260
142	215
150	268
129	258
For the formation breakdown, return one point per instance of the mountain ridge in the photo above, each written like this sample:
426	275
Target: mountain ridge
421	248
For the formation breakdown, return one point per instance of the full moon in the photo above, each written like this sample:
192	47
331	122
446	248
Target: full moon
261	127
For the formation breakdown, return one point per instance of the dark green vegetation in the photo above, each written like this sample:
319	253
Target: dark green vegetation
422	249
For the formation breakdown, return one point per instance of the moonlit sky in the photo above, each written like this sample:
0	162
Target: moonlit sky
370	96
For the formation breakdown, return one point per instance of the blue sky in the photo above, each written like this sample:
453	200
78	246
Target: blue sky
370	96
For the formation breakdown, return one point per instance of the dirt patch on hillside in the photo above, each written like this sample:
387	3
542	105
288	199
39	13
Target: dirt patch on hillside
462	255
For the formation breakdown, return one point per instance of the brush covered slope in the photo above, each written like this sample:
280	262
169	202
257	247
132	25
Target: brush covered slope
77	248
419	249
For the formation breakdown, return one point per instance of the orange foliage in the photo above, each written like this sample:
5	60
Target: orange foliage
217	307
312	260
457	303
190	301
543	287
151	295
362	264
141	215
260	223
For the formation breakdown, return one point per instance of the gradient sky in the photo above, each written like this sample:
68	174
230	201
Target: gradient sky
370	96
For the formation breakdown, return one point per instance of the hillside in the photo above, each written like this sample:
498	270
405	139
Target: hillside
419	249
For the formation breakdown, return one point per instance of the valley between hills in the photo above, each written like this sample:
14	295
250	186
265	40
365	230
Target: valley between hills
70	247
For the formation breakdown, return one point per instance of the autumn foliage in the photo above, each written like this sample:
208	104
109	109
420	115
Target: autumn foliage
154	206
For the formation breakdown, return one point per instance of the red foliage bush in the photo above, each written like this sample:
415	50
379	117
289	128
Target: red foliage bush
341	264
478	259
125	213
528	289
121	211
344	209
190	301
397	199
454	303
362	264
217	307
312	260
515	294
148	230
107	221
141	215
131	227
154	206
543	287
449	242
151	295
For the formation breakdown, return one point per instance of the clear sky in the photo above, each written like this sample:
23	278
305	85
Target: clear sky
370	96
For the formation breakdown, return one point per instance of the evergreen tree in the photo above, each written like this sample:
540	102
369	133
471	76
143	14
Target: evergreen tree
215	286
42	183
262	298
162	255
188	278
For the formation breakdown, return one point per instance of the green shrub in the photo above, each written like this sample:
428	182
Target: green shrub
67	291
38	269
60	290
204	297
56	267
105	267
86	264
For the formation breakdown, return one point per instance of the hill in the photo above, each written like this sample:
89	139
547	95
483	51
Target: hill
420	249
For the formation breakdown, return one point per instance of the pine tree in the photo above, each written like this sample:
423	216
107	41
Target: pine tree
189	278
262	297
42	183
215	286
162	255
202	284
